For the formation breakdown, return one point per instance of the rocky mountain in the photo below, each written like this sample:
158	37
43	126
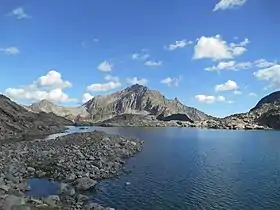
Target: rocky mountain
265	114
49	107
139	99
15	120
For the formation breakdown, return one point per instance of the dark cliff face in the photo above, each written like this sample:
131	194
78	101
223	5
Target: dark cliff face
139	99
266	113
269	99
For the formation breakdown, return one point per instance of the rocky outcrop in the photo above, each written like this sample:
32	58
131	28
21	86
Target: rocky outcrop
16	121
265	115
139	99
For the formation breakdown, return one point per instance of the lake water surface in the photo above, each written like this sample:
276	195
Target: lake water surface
182	168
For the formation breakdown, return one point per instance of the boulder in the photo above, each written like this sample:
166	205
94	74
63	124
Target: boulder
84	183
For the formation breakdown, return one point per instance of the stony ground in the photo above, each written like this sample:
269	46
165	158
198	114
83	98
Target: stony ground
77	161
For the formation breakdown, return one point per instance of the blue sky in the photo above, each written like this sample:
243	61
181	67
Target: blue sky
218	56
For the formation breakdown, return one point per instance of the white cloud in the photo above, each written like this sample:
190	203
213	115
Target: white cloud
209	99
111	78
86	97
179	44
229	4
95	40
10	50
253	94
229	85
262	63
230	102
220	98
171	81
49	87
237	92
153	63
19	13
140	56
53	80
113	83
136	80
105	66
271	74
230	65
216	48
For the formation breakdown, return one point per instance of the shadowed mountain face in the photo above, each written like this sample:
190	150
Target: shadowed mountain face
15	120
139	99
265	113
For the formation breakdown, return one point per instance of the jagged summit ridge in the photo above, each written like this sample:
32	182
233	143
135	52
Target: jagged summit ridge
139	99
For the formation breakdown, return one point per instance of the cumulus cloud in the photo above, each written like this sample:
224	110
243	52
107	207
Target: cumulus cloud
49	87
216	48
53	80
153	63
229	85
209	99
113	83
230	65
19	13
10	50
178	44
171	81
135	80
229	4
270	74
86	97
105	66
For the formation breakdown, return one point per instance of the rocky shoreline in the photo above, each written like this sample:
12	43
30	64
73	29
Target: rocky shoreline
78	161
231	123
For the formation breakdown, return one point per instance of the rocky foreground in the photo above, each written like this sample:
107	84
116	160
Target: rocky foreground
77	161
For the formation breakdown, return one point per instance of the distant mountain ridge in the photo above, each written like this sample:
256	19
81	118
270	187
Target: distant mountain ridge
136	99
49	107
139	99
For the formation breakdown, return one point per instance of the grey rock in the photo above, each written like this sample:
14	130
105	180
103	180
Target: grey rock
5	188
31	170
21	207
66	189
52	200
12	200
84	183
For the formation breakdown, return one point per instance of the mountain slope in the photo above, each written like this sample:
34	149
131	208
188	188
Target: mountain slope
15	120
139	99
49	107
266	113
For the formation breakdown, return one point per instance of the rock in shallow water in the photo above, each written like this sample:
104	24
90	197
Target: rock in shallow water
84	184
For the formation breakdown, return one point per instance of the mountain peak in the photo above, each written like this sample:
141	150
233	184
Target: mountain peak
45	102
136	88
